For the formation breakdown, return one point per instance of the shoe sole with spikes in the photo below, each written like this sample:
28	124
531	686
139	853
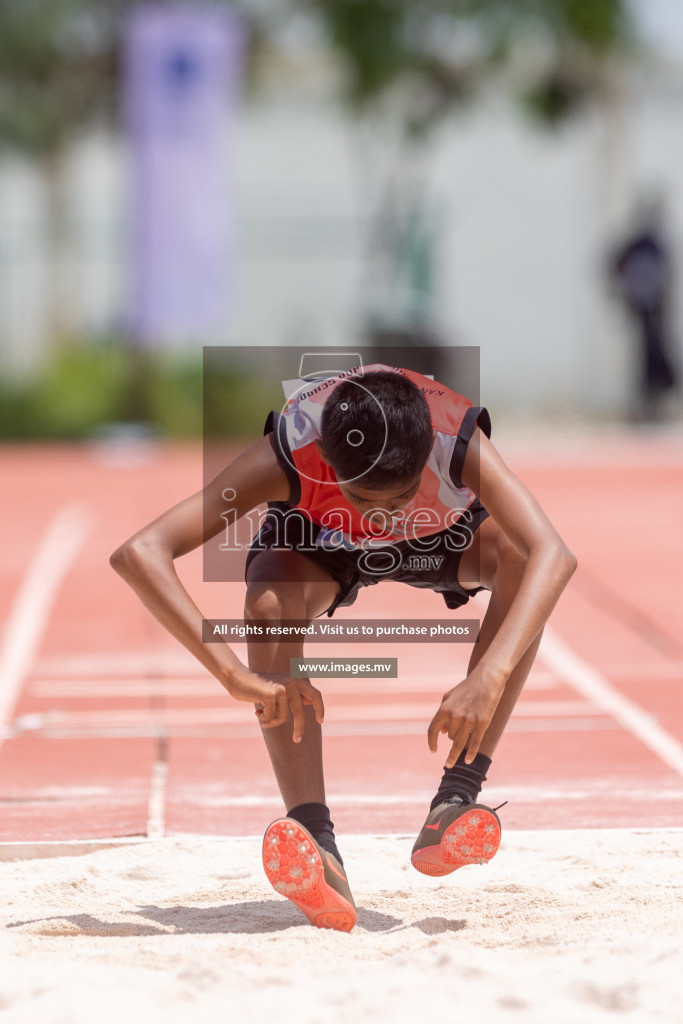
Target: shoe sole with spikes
308	875
455	835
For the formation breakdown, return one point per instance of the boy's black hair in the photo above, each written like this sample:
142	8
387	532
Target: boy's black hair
360	442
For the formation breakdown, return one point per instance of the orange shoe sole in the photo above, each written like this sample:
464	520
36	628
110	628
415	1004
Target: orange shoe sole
473	838
294	866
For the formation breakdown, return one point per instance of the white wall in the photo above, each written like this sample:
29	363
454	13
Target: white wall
23	267
526	217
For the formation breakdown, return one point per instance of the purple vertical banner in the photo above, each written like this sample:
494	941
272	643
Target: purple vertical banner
183	67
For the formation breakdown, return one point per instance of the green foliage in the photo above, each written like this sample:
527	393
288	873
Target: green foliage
60	64
236	400
56	71
175	388
372	37
60	59
597	24
439	49
85	388
82	388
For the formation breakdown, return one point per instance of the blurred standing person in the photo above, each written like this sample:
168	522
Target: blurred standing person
642	270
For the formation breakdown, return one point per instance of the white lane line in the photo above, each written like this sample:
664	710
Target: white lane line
241	712
14	851
98	689
671	670
219	731
112	664
30	612
593	685
21	850
156	808
205	686
213	797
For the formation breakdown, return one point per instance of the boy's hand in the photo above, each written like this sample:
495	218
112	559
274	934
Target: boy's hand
274	694
465	715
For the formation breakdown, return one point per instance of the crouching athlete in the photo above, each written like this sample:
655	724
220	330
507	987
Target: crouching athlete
360	471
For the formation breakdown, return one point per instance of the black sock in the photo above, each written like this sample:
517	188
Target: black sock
462	780
316	818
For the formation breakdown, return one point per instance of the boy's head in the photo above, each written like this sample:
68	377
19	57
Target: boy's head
376	433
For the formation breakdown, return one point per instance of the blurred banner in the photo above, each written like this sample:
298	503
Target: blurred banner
182	75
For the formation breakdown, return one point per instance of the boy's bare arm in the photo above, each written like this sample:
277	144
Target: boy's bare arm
146	562
466	711
549	563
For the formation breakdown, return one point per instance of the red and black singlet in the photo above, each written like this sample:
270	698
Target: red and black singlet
442	497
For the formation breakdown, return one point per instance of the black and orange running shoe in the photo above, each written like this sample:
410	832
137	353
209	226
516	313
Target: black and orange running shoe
456	833
308	875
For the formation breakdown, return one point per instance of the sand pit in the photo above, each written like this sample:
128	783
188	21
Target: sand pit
561	928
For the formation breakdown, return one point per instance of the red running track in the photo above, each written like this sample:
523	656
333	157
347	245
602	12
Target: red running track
110	729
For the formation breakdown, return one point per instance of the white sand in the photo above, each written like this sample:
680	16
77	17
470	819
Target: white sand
561	928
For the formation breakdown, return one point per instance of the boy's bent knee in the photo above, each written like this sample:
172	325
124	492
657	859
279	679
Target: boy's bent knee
274	602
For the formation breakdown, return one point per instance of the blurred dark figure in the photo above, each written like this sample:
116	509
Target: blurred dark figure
642	271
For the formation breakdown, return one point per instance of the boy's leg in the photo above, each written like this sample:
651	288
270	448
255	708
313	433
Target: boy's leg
286	585
300	855
455	833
